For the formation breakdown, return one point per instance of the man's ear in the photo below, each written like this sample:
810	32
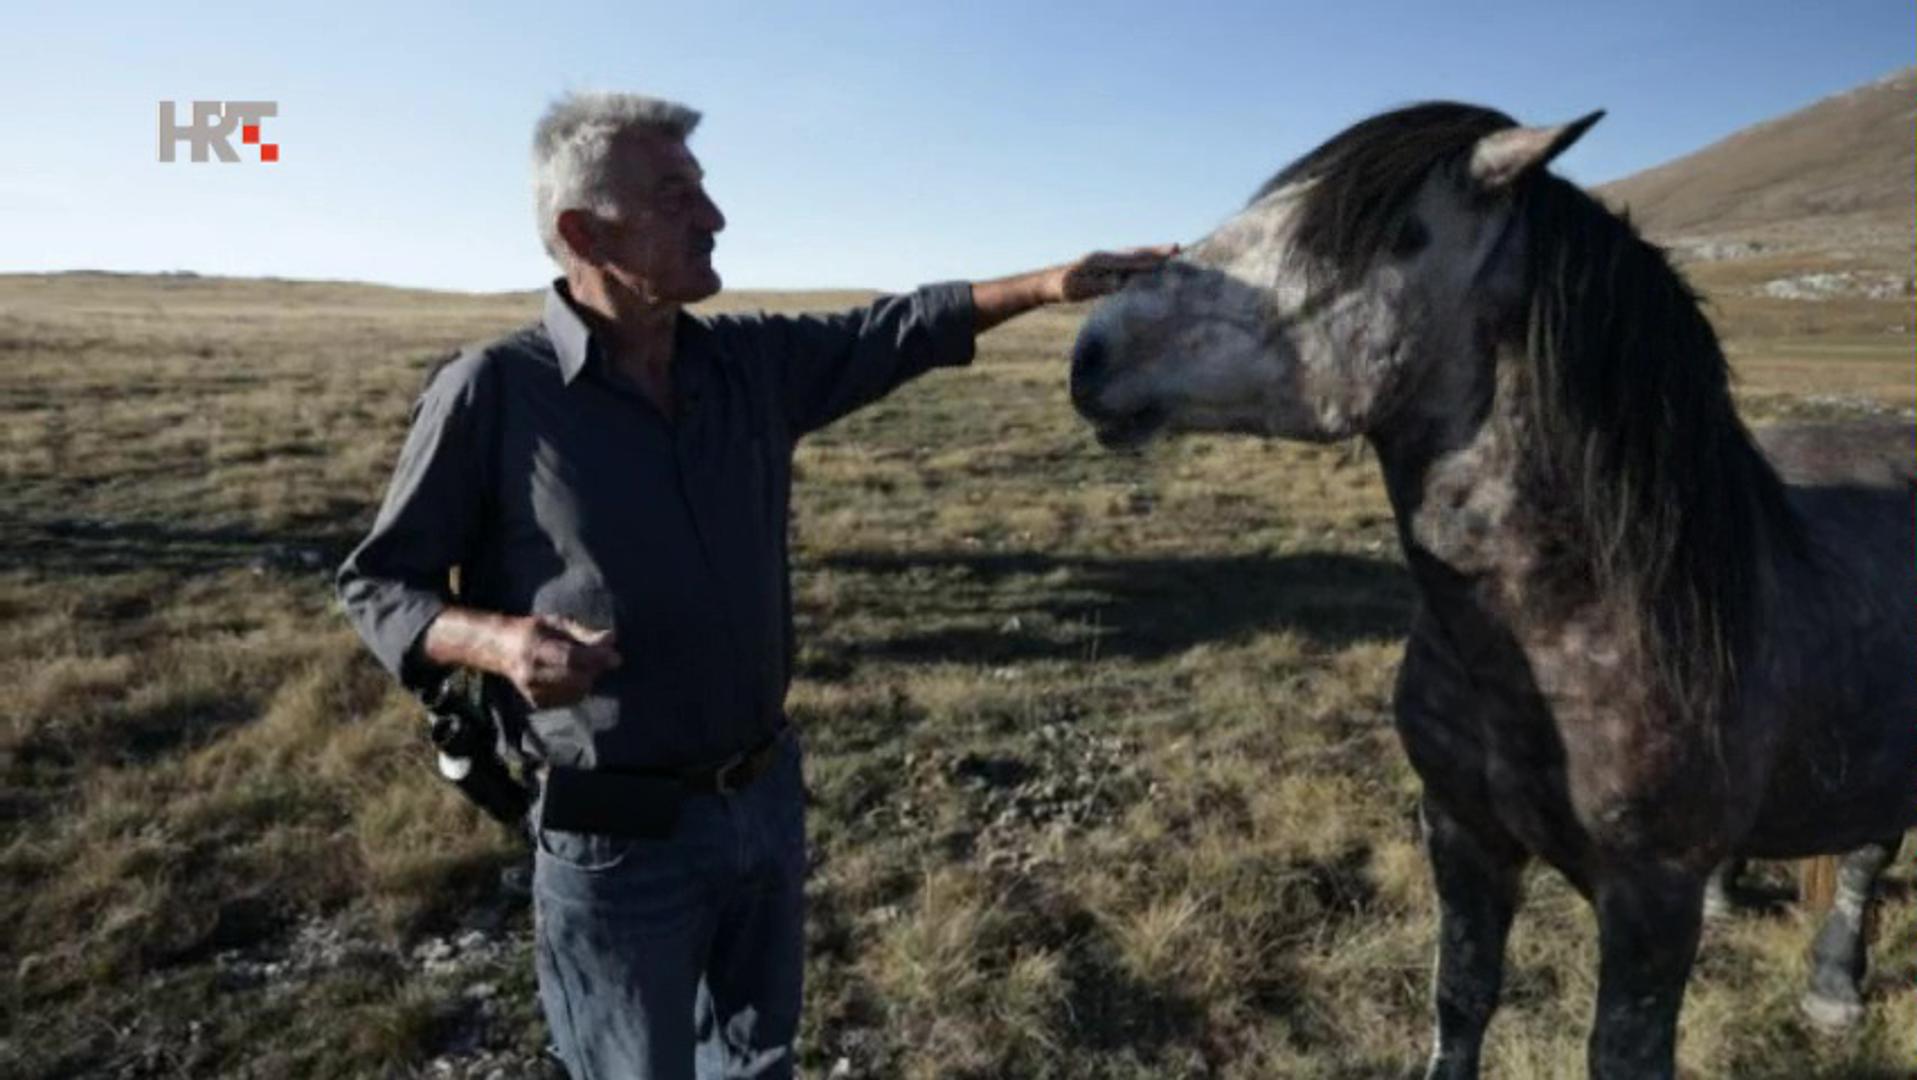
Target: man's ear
576	232
1502	158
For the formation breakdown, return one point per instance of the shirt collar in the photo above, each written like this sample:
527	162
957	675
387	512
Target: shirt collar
571	338
574	341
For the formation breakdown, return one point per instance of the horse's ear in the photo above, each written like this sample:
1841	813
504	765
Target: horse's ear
1502	158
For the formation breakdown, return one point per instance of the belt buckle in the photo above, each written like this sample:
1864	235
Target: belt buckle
722	777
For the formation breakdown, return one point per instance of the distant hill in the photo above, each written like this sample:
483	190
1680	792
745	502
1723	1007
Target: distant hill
1834	183
181	289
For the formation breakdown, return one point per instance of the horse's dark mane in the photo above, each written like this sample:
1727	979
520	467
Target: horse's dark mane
1634	431
1634	438
1366	177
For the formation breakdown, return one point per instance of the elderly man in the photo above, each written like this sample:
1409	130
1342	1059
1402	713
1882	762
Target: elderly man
611	482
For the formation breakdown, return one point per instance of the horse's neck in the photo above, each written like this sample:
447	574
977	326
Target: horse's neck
1453	468
1500	564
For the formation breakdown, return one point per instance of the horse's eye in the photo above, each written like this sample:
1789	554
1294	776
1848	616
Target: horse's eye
1411	239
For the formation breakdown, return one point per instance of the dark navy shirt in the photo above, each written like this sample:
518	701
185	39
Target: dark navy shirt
556	488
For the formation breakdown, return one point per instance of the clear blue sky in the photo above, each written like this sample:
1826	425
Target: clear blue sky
850	143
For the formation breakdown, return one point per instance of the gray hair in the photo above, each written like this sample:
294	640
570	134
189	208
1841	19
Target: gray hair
572	152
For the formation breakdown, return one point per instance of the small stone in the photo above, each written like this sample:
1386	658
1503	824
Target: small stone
465	1041
516	881
472	940
237	977
841	1069
487	920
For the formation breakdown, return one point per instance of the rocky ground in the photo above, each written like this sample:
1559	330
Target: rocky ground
1017	808
463	970
1825	285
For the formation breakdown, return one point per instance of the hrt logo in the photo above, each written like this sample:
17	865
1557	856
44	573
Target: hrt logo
213	123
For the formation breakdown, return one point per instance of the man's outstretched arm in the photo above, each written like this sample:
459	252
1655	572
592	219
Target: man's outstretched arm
1095	275
833	364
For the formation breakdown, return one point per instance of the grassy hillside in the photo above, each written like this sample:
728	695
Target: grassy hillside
1838	177
1103	777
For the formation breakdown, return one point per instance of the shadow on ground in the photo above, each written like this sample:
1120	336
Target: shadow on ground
60	547
1139	608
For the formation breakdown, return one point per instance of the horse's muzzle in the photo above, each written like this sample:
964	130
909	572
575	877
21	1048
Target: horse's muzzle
1088	373
1091	371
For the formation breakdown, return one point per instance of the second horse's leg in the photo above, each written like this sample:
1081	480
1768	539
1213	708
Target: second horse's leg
1834	1001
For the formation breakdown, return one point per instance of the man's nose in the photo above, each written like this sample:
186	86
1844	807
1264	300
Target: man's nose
712	219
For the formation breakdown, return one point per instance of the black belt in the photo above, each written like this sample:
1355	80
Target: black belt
643	802
732	774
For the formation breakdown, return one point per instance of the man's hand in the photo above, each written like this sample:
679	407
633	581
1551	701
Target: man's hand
1095	275
1104	272
551	660
554	661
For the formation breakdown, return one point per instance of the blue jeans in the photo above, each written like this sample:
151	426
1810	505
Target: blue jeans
682	957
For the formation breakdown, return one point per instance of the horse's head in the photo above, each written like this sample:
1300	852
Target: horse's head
1337	293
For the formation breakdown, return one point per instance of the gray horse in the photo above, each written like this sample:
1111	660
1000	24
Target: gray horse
1642	647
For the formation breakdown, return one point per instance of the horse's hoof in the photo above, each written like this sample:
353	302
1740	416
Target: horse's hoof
1829	1015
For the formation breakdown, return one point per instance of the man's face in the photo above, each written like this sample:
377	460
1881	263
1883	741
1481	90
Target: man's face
661	246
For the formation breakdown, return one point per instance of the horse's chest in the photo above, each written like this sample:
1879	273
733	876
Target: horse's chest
1553	736
1529	776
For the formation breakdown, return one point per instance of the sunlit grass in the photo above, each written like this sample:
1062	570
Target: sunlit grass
1103	775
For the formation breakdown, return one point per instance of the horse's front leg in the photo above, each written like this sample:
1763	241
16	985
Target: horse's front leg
1649	917
1477	880
1835	1000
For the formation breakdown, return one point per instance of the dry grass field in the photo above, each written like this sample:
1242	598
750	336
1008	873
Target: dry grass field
1103	779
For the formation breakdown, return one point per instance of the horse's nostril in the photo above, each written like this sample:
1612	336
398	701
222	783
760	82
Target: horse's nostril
1088	368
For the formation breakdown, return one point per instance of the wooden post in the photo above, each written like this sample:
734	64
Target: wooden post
1817	884
1817	893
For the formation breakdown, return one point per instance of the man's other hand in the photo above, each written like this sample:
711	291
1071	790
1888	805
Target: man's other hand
551	660
554	661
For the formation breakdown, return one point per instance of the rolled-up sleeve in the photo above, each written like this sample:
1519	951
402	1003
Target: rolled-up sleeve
396	581
833	364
